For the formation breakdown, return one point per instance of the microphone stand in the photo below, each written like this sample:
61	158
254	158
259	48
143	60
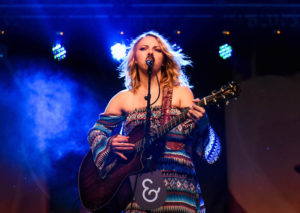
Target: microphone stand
148	110
147	126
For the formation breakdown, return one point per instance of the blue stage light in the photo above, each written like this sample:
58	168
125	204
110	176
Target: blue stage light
225	51
118	51
59	52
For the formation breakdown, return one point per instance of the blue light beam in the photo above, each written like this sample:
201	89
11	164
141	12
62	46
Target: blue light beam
51	117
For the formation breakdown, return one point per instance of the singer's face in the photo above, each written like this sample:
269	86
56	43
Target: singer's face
147	46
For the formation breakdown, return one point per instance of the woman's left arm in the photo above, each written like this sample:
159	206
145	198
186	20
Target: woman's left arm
208	143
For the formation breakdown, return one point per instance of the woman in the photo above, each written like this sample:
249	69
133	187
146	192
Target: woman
128	108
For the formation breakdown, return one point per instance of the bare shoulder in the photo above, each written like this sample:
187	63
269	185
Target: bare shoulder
184	95
117	105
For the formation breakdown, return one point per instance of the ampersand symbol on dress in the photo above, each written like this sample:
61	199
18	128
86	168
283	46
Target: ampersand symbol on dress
151	191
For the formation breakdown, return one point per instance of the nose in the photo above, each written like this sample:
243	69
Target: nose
150	51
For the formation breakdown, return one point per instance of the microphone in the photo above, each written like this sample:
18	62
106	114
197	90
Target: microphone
150	60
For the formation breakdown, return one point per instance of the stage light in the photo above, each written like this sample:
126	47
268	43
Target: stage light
278	32
178	32
60	33
122	33
2	32
226	32
59	52
118	51
225	51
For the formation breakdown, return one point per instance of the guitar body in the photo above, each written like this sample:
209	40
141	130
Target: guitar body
99	194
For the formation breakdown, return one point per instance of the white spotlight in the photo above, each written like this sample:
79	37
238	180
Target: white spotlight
118	51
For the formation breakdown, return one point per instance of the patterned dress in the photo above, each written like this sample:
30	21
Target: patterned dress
175	163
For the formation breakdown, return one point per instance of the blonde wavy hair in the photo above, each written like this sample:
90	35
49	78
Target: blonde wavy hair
172	71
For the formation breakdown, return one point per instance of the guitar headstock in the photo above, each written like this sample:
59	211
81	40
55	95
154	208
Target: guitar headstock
224	94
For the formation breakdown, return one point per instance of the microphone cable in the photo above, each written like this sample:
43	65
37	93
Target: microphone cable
158	90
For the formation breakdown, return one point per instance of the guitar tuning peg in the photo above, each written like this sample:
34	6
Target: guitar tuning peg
223	96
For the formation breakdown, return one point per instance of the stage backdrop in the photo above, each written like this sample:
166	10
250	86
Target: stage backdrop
263	145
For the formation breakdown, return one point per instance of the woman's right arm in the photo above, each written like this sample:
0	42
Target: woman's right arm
101	139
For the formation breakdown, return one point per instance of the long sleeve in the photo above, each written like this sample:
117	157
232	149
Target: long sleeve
208	145
213	146
99	138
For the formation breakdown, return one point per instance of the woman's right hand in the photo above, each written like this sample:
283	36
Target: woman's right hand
119	144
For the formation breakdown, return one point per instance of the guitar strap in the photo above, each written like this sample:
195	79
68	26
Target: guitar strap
166	117
166	104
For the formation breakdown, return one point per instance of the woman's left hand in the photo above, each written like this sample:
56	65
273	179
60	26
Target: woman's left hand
196	112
